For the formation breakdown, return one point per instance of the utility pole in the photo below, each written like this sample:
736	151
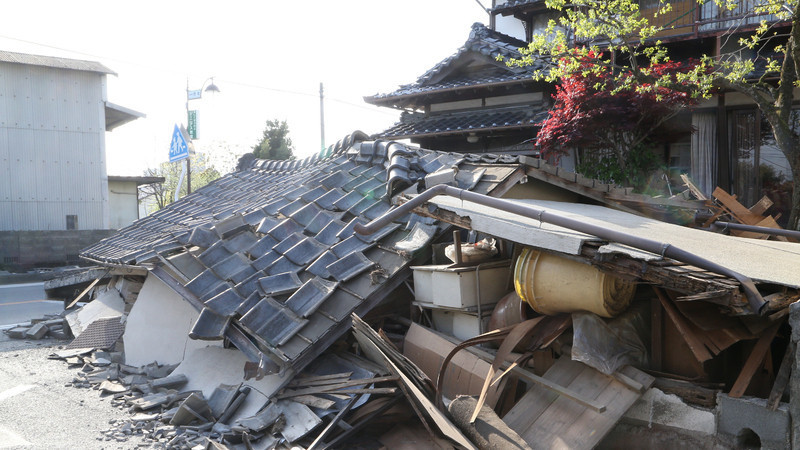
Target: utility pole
321	117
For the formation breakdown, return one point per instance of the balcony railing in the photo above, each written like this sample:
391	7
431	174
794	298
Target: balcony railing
689	17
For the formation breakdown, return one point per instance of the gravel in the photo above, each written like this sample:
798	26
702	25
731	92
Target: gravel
40	409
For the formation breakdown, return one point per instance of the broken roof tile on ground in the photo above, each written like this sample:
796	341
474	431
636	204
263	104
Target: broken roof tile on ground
272	249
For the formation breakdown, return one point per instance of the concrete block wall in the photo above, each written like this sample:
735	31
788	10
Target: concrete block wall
27	249
794	381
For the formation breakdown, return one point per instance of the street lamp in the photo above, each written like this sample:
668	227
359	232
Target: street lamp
191	120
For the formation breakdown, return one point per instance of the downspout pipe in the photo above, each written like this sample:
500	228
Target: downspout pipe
664	249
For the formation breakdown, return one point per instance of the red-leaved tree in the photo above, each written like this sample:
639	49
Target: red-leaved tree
612	123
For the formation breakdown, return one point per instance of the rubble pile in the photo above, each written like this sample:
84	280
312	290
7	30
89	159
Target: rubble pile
168	415
49	326
339	301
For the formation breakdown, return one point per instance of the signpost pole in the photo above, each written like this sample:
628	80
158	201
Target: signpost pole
188	159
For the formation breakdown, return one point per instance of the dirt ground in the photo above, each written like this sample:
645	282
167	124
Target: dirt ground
40	410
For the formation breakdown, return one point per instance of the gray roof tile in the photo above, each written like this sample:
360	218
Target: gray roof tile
209	326
226	303
306	251
310	296
351	265
329	235
279	284
298	260
320	266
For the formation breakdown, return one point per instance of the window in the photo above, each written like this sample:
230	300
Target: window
72	222
758	165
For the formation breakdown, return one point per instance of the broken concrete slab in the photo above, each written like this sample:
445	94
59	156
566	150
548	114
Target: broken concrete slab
739	418
17	333
193	409
209	367
112	387
158	326
107	304
37	331
668	410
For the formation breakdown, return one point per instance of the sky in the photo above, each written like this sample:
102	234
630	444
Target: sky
268	59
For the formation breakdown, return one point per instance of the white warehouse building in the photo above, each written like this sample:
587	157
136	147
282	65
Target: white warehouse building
54	193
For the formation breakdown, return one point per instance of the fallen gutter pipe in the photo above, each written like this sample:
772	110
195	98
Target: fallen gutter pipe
716	226
664	249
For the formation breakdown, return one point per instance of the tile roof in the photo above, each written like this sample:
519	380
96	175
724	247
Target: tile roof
512	4
418	124
482	40
54	62
270	250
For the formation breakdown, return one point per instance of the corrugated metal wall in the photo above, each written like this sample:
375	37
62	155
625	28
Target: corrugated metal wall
52	148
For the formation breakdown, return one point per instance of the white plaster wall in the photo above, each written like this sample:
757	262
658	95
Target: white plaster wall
123	203
158	327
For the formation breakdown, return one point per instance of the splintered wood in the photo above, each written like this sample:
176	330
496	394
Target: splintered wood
549	420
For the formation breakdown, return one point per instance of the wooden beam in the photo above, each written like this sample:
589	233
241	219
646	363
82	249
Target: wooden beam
754	361
695	344
782	378
85	291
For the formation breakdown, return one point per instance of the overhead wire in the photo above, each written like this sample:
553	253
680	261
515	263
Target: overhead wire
176	72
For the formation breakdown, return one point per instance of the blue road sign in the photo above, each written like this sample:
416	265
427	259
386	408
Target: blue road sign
178	149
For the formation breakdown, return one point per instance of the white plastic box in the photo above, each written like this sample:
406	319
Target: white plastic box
457	287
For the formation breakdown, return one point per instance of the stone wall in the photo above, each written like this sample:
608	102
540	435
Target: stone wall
27	249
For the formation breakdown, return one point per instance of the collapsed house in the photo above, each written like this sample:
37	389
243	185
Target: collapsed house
247	290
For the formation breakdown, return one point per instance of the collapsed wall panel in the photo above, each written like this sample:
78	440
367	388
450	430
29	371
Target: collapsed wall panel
158	326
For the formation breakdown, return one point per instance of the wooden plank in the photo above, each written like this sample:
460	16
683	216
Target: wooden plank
628	382
761	206
316	402
576	435
739	211
327	430
85	291
304	379
334	387
562	412
689	392
782	379
566	424
692	187
538	398
695	345
561	390
754	361
366	336
363	422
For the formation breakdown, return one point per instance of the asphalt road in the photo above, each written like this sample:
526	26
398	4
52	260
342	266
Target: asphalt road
20	303
38	411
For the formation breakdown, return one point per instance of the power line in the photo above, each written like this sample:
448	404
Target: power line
239	83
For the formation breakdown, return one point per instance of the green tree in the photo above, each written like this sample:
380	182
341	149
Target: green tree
162	194
620	40
275	144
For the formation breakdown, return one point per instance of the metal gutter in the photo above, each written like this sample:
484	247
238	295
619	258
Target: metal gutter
664	249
